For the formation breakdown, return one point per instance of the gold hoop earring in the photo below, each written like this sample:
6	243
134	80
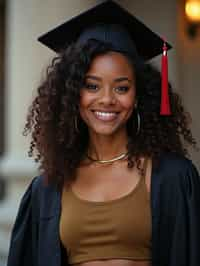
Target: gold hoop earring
76	124
138	122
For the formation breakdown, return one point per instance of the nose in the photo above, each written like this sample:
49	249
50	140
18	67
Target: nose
107	96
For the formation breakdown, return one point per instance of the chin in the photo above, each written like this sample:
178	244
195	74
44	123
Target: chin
106	131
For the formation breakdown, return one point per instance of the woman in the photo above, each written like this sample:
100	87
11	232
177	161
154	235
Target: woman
116	187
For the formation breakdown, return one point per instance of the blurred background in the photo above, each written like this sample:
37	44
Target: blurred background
23	61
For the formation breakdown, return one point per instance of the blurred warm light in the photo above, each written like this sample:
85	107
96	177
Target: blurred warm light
192	10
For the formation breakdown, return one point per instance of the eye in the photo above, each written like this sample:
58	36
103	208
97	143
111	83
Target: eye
91	87
122	89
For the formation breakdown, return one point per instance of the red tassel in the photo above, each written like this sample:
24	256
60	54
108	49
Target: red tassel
165	106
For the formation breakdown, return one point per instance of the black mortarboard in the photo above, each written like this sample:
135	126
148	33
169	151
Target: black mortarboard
147	43
107	22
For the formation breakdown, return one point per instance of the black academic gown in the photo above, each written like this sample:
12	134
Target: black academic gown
175	204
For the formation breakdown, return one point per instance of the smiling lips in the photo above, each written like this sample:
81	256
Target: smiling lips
105	116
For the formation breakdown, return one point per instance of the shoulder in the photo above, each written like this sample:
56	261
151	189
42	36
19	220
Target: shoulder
176	169
39	185
174	163
44	198
36	186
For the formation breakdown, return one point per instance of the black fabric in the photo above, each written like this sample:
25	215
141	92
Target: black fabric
175	201
107	22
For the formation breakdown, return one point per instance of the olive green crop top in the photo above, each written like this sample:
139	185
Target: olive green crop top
119	228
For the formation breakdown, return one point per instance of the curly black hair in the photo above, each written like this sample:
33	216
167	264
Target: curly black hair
59	147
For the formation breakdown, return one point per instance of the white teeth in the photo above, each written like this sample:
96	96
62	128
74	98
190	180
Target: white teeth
105	116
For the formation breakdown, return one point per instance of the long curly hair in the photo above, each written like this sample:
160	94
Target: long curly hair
57	144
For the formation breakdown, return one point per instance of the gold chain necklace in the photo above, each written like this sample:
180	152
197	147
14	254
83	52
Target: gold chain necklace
120	157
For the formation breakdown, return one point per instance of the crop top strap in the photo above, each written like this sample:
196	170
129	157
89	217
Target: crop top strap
144	170
144	177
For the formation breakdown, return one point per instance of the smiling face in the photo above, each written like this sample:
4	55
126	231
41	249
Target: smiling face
108	97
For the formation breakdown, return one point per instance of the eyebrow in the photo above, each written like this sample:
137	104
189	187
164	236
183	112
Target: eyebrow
116	80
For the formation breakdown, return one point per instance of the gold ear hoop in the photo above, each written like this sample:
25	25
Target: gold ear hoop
138	121
138	118
76	124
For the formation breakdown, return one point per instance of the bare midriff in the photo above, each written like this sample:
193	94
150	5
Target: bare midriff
115	262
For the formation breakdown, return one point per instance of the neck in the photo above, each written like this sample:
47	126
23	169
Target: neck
102	147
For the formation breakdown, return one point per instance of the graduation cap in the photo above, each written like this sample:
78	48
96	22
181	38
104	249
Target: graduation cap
109	22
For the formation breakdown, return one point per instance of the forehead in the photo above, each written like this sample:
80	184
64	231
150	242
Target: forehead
111	63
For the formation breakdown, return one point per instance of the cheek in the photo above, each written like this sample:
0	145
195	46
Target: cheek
85	100
129	101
